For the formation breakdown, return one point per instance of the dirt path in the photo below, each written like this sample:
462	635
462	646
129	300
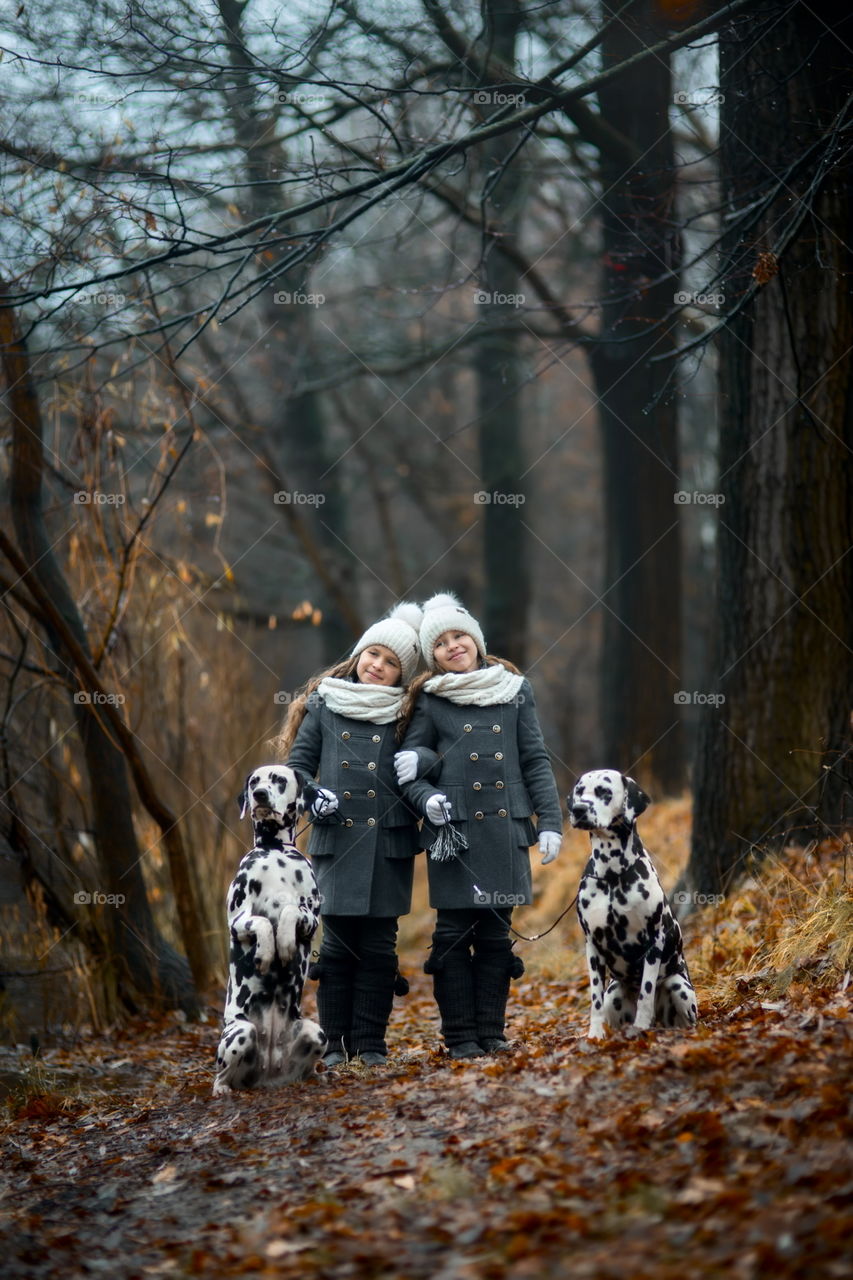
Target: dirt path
720	1151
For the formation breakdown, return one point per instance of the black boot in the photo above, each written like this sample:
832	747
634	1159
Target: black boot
492	973
373	996
335	1006
453	985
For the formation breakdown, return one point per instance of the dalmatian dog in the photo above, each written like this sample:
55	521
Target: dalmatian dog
273	910
629	927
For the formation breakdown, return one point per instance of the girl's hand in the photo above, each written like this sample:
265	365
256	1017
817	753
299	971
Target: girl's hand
549	845
437	809
406	766
325	804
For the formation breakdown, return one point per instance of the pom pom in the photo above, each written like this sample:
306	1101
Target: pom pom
448	842
315	971
444	600
401	985
408	613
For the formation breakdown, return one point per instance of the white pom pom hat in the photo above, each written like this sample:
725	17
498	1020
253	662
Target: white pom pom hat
445	613
399	633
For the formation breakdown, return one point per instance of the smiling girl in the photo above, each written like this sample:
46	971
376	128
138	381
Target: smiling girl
479	714
342	730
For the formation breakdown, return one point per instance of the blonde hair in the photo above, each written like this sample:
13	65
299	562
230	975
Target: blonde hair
418	683
283	744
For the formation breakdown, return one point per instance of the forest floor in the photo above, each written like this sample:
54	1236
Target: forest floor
724	1150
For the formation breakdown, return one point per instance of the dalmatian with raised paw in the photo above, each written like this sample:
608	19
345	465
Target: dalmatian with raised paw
631	933
273	910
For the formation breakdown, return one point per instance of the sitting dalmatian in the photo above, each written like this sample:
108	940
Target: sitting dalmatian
273	911
629	927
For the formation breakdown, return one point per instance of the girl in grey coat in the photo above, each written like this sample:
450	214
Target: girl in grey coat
479	714
343	731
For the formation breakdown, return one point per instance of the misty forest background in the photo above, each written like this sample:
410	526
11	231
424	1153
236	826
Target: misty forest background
307	309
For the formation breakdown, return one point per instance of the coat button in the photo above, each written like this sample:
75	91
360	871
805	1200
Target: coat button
348	795
500	786
499	755
467	728
372	765
371	822
478	815
347	822
501	813
371	795
496	728
376	738
473	756
345	764
345	735
478	786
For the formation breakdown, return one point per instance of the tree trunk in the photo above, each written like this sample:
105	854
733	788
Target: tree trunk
498	367
144	963
641	649
774	759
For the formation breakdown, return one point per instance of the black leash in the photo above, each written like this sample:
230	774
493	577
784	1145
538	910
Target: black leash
536	936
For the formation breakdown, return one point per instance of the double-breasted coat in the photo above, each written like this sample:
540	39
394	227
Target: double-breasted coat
496	773
365	864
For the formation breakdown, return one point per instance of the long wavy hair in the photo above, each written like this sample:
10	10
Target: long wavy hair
283	744
413	692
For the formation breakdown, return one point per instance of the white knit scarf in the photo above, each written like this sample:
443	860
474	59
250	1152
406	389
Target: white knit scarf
485	687
378	703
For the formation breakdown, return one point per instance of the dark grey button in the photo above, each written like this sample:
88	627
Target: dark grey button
348	795
371	795
478	786
478	815
501	813
500	786
345	764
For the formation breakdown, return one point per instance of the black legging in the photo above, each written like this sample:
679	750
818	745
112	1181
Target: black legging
456	932
356	939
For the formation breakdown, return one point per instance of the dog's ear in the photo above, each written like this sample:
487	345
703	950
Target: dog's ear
243	797
307	790
636	800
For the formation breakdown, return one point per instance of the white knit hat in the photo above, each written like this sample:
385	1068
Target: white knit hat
445	613
399	633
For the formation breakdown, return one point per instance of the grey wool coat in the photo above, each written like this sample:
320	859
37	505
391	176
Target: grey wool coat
496	773
364	865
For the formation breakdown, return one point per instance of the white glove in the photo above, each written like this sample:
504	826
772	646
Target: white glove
325	803
549	845
437	809
406	766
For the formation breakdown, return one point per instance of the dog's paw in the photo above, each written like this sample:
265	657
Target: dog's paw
220	1088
